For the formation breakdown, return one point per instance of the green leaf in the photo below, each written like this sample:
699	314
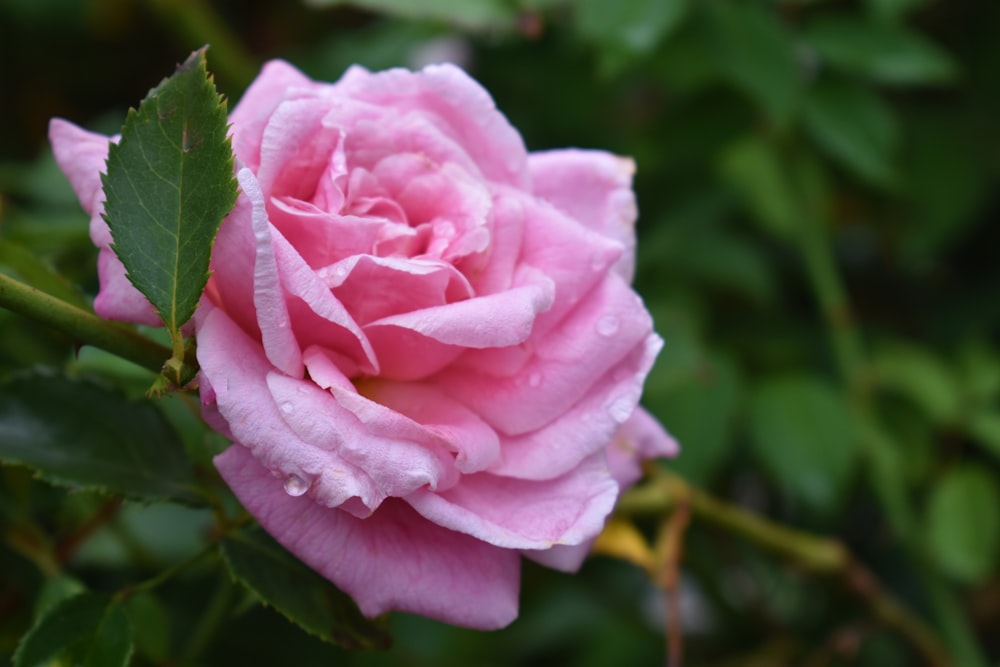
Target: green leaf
758	55
93	629
151	624
700	414
884	52
963	523
855	127
916	373
627	29
984	427
803	434
893	10
753	168
470	14
280	580
81	434
169	184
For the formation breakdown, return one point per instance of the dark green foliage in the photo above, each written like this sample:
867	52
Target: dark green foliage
256	561
817	183
83	435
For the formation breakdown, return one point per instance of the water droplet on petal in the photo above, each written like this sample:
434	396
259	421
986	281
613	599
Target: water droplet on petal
620	409
295	486
607	325
287	407
598	262
535	379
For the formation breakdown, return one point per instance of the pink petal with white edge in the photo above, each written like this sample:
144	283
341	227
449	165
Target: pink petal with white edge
594	188
587	427
280	345
81	155
118	298
460	430
296	149
230	284
495	320
571	361
403	461
392	561
518	514
238	373
640	439
464	108
277	81
576	258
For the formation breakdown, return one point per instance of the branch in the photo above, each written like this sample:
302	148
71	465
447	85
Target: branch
82	325
665	492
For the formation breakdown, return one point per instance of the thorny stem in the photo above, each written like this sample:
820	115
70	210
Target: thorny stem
86	327
666	492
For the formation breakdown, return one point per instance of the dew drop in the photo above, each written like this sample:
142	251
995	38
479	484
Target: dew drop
287	407
620	409
535	379
598	262
295	486
607	325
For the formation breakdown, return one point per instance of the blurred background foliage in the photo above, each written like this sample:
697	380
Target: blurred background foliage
818	187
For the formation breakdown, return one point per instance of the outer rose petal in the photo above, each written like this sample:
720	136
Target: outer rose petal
519	514
277	81
393	560
118	298
640	438
81	155
594	188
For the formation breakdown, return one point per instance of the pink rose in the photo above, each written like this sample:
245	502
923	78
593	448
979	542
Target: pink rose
420	338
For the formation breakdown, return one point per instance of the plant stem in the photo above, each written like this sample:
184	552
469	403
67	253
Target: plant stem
82	325
665	491
834	303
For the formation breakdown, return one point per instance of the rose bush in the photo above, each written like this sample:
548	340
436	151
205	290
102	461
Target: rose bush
421	339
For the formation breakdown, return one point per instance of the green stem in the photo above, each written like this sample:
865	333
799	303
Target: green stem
665	491
834	303
82	325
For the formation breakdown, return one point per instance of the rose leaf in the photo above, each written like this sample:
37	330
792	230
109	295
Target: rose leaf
281	581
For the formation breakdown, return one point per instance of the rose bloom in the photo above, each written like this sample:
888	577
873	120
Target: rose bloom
420	338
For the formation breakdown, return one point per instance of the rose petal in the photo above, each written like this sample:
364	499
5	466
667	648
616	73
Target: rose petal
375	287
475	444
495	320
238	372
296	151
585	428
569	361
462	106
118	298
393	560
276	81
641	438
399	458
81	155
594	188
519	514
